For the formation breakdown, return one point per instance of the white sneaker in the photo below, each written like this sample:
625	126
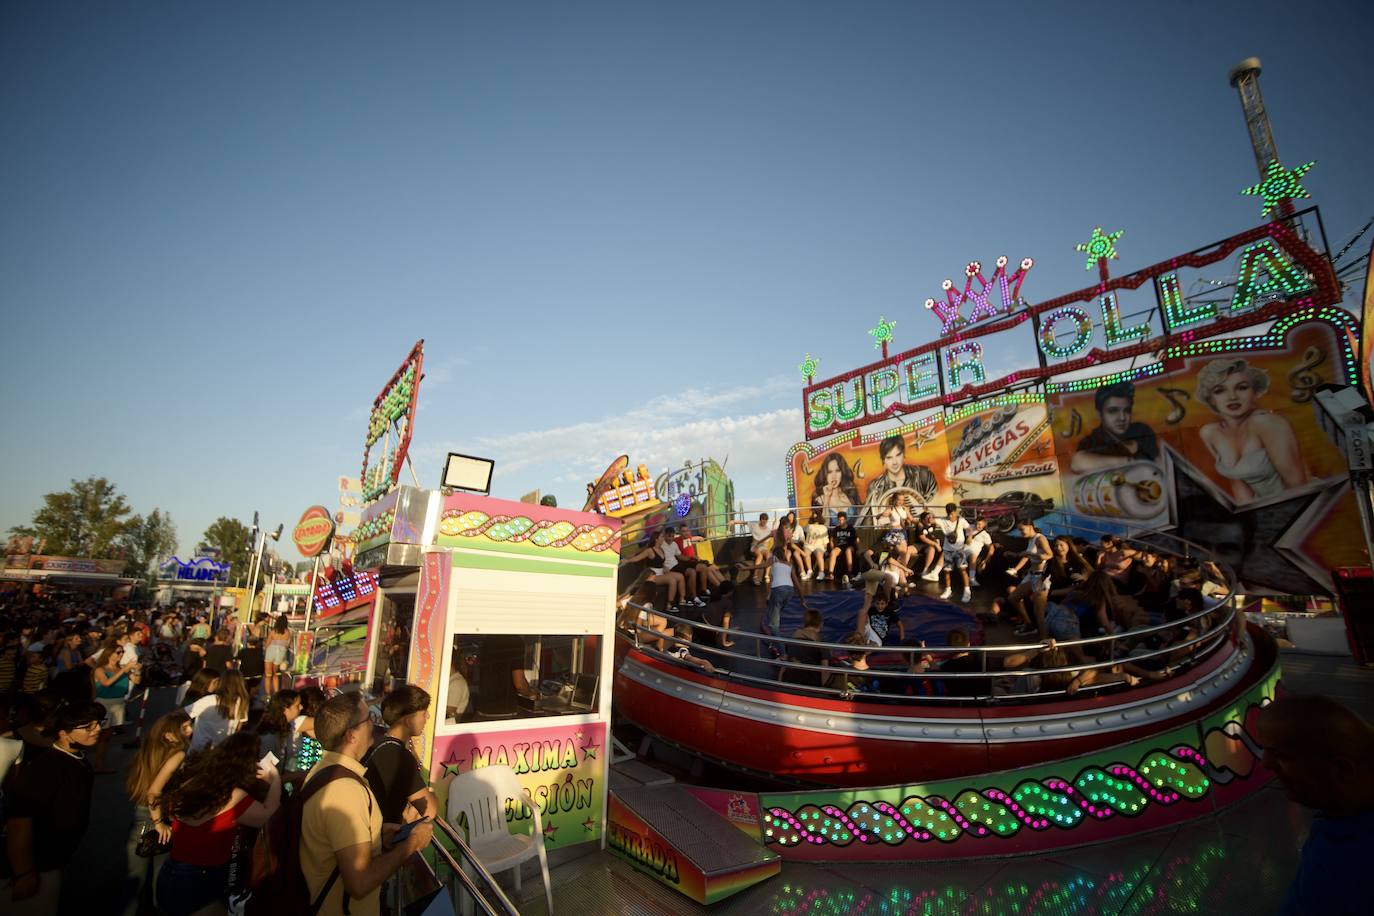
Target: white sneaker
932	576
806	575
946	593
968	596
845	582
972	581
698	602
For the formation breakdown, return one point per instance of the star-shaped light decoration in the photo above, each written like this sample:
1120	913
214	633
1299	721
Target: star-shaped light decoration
1280	184
809	366
882	333
1102	246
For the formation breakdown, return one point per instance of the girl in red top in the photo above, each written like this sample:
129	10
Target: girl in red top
208	801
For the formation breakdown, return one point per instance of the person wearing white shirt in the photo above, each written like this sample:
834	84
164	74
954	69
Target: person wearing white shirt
979	545
956	534
220	714
762	546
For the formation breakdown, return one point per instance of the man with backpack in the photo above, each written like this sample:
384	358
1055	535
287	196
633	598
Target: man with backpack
341	850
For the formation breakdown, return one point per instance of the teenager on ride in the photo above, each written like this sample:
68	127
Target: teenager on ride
162	752
794	539
207	800
675	562
1035	583
659	574
930	546
780	592
955	531
842	540
816	538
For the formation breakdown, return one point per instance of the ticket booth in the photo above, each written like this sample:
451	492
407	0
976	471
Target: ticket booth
513	639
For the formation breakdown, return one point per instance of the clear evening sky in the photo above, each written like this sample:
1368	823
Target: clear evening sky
618	227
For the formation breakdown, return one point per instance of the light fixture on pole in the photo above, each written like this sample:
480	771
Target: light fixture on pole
467	474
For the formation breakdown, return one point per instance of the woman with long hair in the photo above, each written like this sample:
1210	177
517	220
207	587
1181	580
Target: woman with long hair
73	679
835	487
220	714
112	685
207	800
658	574
1255	449
274	654
274	728
305	751
792	538
162	751
204	683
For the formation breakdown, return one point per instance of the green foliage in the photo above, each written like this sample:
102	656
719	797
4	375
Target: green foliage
88	520
232	538
149	541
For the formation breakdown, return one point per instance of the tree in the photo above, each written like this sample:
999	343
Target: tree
232	539
89	520
148	541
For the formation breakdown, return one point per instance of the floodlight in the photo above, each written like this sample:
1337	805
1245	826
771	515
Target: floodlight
467	473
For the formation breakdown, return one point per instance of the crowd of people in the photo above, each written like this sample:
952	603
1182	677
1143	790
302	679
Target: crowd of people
241	750
1057	590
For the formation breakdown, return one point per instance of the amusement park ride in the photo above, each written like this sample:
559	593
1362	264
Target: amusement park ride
1168	420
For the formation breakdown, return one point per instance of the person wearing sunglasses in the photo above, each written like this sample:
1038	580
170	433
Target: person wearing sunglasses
48	805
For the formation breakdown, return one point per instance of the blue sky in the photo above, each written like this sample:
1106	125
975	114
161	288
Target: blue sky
618	227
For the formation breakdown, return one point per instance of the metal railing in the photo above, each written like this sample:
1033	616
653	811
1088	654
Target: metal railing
1213	623
471	885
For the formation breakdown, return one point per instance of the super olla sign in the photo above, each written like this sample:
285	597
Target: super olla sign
1276	273
313	531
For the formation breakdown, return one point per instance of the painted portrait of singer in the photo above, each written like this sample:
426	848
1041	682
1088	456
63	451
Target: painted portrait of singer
835	488
1118	439
897	473
1255	449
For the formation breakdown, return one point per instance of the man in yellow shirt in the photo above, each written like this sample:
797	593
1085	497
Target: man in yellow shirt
341	824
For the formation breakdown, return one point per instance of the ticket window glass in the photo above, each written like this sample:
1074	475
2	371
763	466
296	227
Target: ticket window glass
503	676
391	641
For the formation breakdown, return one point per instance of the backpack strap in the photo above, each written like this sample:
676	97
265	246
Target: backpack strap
325	777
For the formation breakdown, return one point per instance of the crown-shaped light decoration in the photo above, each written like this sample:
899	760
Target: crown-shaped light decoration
882	334
1008	284
1280	184
1101	247
809	366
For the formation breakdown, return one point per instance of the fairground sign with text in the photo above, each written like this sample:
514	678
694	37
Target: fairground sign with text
1276	274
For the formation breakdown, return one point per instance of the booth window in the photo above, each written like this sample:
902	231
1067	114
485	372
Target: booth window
505	676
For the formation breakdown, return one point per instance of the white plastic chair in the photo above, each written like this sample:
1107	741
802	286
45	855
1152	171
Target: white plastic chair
481	795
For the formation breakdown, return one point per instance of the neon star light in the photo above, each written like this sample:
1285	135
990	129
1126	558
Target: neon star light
1008	285
809	366
1280	184
1101	247
882	334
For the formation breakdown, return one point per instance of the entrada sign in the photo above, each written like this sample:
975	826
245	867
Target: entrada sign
313	531
1276	273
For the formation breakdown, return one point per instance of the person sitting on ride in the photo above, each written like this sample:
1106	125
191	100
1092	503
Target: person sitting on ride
887	561
635	610
1115	557
708	575
930	544
791	538
954	556
979	549
682	651
843	537
810	630
1035	583
659	573
1148	583
816	537
849	678
674	561
761	546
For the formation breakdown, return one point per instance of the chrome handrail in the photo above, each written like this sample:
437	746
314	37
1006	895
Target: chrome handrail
470	857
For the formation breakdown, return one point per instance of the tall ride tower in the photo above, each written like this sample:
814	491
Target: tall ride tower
1244	77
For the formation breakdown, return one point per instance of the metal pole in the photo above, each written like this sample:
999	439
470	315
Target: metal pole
310	595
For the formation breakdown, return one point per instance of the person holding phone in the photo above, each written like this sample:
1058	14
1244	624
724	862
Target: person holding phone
393	770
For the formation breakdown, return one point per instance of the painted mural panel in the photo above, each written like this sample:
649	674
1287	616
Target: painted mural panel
1002	461
1223	448
875	478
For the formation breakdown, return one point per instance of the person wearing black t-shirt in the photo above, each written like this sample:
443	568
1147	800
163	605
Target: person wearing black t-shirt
220	653
252	664
842	541
393	771
963	663
48	802
501	676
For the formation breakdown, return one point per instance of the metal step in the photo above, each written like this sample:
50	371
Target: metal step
703	837
641	773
